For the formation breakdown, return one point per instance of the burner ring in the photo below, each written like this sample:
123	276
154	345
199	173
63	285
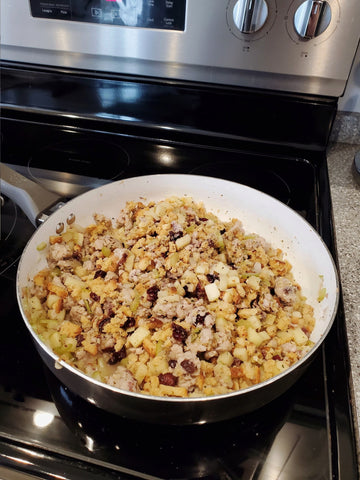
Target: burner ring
262	179
72	167
15	232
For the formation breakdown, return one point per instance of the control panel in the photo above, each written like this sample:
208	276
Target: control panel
305	20
302	46
161	14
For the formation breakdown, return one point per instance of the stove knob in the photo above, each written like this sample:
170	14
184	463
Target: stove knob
312	18
250	15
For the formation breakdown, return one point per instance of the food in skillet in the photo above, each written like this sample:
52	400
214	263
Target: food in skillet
168	300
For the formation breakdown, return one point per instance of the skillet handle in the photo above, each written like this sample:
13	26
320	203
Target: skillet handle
35	201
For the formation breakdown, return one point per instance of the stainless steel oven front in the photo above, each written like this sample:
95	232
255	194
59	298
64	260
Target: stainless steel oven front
272	44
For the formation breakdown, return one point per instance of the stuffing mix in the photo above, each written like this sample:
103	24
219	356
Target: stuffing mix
168	300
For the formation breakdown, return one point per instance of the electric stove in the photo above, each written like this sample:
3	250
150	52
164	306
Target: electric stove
72	131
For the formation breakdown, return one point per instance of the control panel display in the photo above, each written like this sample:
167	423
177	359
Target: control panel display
160	14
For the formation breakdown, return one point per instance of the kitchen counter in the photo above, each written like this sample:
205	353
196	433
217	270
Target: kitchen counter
345	192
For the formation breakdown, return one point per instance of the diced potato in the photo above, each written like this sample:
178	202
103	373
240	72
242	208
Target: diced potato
225	358
80	271
35	303
139	335
202	268
75	285
54	315
220	323
51	299
149	346
78	238
222	257
183	241
299	336
157	365
284	336
169	391
223	282
212	292
254	322
140	373
240	353
221	268
233	280
54	340
173	259
257	337
254	282
129	262
246	312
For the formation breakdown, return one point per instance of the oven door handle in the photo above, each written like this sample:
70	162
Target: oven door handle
34	200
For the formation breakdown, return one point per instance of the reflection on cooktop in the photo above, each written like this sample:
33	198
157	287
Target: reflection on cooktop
15	232
261	444
262	179
74	166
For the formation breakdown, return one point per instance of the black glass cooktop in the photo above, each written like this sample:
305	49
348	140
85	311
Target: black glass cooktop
47	430
71	131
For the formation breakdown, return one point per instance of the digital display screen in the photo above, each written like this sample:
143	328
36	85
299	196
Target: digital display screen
161	14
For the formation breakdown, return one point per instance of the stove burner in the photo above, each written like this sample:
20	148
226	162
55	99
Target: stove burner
75	166
15	232
159	449
261	179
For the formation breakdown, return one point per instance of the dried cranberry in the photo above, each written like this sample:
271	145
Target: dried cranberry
108	349
102	324
237	362
212	243
190	218
306	331
179	332
276	357
172	363
203	219
122	259
200	319
79	339
94	297
99	273
188	366
129	322
152	293
116	357
199	291
187	293
211	277
175	235
222	231
77	256
168	379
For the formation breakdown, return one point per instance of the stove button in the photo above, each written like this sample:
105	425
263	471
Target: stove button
250	15
312	18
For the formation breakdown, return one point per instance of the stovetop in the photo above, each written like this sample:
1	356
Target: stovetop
49	431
